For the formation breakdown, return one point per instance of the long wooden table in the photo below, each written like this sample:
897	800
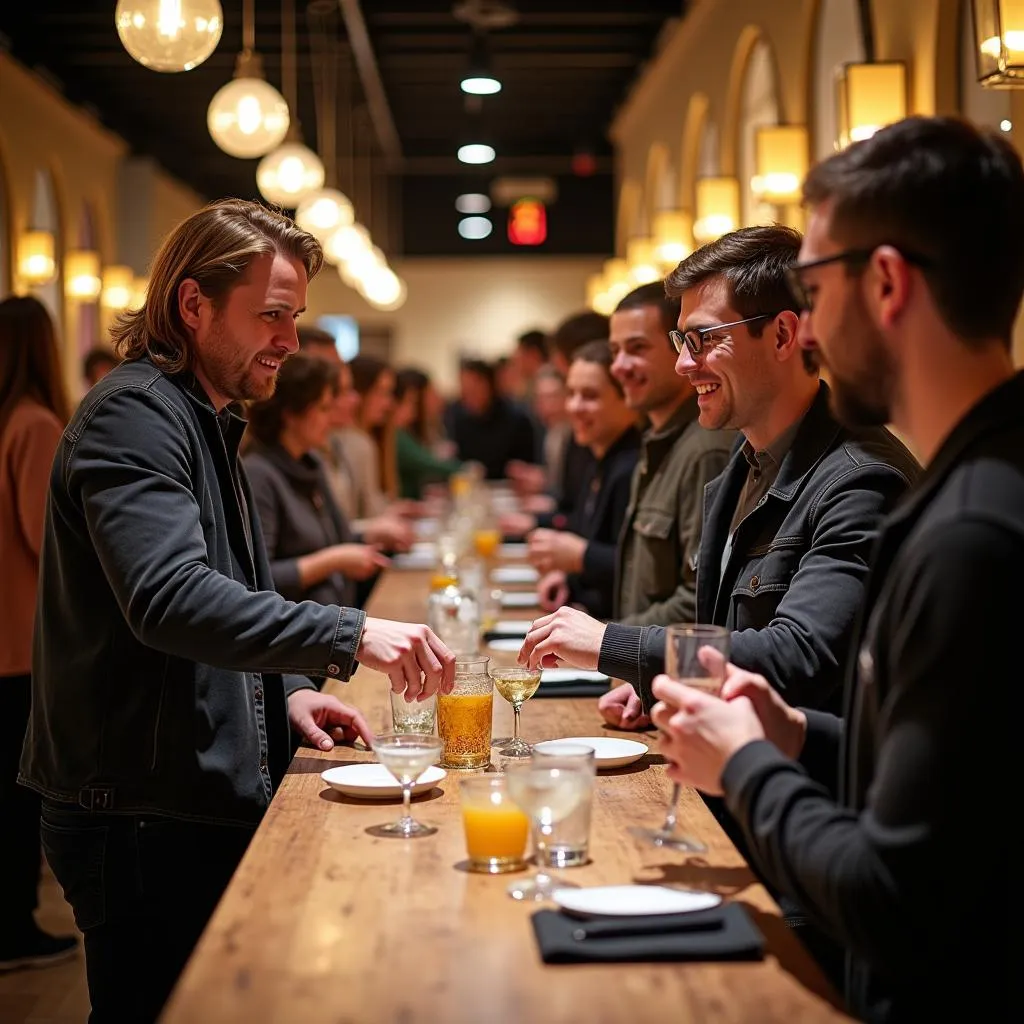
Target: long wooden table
325	923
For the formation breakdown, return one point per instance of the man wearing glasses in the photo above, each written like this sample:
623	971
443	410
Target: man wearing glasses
911	280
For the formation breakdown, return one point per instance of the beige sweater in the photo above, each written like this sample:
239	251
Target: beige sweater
27	446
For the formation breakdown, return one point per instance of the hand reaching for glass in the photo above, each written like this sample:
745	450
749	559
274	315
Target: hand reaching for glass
566	637
410	655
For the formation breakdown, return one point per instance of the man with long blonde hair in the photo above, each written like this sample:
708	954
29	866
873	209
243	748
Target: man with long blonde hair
166	670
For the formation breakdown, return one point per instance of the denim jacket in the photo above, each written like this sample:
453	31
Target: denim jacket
162	656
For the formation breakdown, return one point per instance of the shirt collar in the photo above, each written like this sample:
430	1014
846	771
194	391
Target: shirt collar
768	460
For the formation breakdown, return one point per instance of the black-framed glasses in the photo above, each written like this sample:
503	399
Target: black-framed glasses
695	339
804	296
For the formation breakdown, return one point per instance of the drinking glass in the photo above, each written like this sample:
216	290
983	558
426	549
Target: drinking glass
413	715
496	829
516	685
683	645
547	796
464	715
407	756
568	843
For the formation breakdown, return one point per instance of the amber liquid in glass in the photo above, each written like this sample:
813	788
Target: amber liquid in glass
464	724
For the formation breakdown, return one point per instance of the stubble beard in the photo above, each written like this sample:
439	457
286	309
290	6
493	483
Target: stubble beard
230	373
862	397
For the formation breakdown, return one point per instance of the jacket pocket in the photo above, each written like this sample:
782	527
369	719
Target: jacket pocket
762	583
654	524
656	557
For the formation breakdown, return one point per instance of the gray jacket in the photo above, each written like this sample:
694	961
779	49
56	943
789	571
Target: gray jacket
162	654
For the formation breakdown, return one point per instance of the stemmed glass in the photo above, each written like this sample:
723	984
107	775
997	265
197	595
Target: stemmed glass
683	645
516	685
406	756
547	796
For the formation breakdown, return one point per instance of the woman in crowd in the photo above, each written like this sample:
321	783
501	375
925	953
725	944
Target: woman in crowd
414	422
578	563
33	411
309	542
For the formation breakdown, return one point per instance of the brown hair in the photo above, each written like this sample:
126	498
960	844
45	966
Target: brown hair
577	330
215	247
946	192
366	370
600	354
752	261
29	358
301	383
654	294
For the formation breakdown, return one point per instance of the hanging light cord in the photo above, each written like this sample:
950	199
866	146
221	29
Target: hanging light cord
248	28
323	49
288	76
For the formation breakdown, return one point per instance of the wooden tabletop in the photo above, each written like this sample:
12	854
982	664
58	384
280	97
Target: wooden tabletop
325	923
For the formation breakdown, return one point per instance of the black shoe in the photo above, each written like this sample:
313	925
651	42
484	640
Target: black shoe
35	948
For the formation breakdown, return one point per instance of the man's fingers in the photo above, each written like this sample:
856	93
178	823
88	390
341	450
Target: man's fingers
431	669
446	659
312	733
712	660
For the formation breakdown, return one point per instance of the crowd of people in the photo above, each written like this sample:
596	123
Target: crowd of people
220	503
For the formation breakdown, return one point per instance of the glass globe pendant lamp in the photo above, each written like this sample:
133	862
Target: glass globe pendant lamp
288	174
169	35
248	117
323	212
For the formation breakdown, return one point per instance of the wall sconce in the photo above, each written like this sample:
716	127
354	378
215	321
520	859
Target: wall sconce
598	298
781	152
617	282
718	208
673	238
643	267
999	42
140	285
870	96
36	265
118	285
82	280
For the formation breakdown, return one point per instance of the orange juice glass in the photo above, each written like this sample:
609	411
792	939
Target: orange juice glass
464	715
486	541
496	829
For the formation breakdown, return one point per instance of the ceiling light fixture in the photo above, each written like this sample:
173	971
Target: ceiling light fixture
479	79
999	42
472	202
169	35
476	153
475	228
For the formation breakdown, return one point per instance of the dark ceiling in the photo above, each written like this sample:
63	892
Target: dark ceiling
564	64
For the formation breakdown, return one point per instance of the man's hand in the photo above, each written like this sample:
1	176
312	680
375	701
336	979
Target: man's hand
411	656
623	708
359	561
315	716
555	549
389	532
700	732
565	637
552	591
526	478
516	524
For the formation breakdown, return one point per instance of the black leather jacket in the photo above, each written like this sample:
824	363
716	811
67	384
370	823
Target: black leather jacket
162	655
795	576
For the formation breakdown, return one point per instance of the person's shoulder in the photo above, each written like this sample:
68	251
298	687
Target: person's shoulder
30	416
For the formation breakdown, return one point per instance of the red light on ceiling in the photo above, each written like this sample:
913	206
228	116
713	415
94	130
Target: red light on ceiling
527	222
583	164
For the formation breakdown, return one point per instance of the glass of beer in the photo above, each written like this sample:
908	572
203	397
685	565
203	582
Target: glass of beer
464	715
496	829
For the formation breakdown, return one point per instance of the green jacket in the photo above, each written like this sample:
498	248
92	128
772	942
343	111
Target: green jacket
418	465
656	581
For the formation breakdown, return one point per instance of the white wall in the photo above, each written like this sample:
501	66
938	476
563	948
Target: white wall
474	305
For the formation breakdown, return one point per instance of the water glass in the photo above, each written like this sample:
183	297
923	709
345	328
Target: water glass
567	843
413	715
496	829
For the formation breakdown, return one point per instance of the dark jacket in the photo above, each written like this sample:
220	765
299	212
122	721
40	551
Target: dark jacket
796	572
597	517
656	578
160	642
299	516
501	434
891	831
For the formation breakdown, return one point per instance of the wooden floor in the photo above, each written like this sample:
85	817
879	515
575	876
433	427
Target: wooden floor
51	995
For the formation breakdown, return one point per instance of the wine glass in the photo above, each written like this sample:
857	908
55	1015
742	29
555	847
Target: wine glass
406	756
683	644
547	796
516	685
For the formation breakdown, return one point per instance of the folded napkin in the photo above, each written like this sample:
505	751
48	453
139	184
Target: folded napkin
571	688
724	932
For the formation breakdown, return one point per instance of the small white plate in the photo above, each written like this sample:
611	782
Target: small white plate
413	560
372	781
632	900
424	549
610	752
515	574
570	675
517	599
511	550
511	644
511	627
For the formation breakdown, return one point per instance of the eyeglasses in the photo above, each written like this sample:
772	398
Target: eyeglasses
696	338
804	296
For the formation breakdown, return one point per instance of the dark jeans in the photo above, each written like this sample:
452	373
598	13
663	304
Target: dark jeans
142	889
19	813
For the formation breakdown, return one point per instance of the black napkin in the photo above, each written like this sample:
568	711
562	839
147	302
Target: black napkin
572	688
724	932
492	634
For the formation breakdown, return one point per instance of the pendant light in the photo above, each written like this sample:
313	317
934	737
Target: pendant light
169	35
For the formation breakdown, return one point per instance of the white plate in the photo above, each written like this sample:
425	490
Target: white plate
512	551
372	781
515	574
511	644
413	560
424	549
570	675
511	627
630	900
610	752
518	600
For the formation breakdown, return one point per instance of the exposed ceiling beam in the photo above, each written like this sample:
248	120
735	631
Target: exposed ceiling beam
373	86
450	166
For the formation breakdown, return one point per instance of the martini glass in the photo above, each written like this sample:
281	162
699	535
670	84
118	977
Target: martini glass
547	796
407	756
516	685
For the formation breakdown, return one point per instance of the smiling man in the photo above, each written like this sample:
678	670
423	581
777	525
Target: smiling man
166	670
